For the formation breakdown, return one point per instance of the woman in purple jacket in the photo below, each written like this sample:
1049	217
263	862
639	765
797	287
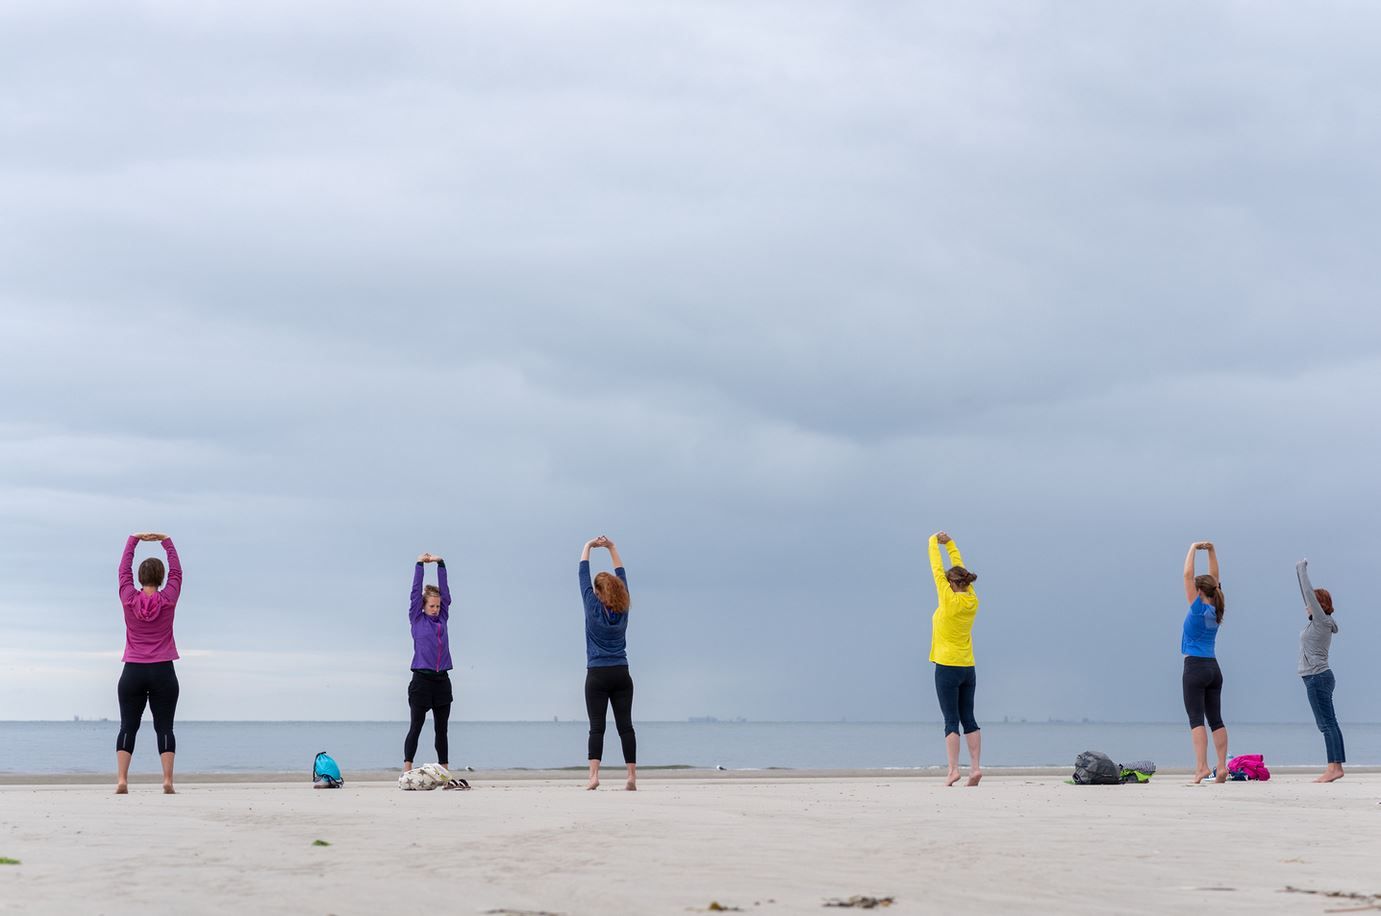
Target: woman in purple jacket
148	678
428	612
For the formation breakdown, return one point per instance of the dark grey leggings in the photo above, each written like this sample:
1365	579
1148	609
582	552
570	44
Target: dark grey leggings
955	686
605	687
1203	691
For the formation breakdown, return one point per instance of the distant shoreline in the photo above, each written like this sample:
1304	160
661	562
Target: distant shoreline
572	774
687	721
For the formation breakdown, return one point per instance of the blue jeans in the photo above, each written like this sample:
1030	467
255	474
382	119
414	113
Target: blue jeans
1320	689
955	687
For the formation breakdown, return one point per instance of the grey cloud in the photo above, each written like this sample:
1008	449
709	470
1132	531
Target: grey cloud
768	292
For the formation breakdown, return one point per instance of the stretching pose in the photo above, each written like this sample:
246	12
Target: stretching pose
148	678
951	649
430	689
1314	643
1203	679
607	681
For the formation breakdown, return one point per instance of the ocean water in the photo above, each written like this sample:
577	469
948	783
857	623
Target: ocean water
247	747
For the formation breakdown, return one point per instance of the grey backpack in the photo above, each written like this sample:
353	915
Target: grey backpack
1092	768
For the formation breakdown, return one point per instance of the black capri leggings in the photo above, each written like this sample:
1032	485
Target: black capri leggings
153	684
955	687
1203	692
605	687
429	690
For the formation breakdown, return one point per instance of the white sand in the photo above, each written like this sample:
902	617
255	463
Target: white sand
1016	844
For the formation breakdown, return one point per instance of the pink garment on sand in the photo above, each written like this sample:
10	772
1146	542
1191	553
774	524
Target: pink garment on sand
1254	765
149	615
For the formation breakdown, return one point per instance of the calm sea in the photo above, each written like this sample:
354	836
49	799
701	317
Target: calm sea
246	747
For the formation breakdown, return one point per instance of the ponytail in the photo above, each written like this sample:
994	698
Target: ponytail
1213	591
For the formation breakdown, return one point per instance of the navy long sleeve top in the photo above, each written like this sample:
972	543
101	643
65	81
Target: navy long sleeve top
604	629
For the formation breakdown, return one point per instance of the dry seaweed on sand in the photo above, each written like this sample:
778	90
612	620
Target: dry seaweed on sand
320	843
6	860
1368	901
520	913
863	903
717	907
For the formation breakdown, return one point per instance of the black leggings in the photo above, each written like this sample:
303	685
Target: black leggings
1203	692
429	690
955	687
605	686
154	684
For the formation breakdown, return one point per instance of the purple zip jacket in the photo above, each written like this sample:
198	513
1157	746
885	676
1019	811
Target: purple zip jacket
431	643
149	617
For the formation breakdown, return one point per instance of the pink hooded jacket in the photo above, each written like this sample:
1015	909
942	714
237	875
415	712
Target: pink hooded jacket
149	617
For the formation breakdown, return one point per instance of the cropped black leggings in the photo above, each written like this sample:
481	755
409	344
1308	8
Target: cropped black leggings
605	687
429	691
153	684
1203	692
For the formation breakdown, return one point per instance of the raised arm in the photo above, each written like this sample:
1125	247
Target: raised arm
616	560
445	588
126	577
415	601
1212	561
1190	589
1311	600
613	553
937	566
587	588
173	588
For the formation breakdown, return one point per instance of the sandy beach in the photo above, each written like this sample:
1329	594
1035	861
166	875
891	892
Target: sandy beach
764	843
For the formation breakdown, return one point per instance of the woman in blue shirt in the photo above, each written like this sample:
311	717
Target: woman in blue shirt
607	682
1203	679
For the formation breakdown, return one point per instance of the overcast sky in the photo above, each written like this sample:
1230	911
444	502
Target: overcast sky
767	292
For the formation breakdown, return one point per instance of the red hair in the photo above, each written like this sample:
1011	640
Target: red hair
1325	599
612	593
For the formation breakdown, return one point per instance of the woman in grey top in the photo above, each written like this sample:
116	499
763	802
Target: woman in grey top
1314	643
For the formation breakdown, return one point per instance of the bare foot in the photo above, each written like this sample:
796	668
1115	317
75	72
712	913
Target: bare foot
121	788
974	778
1200	776
594	783
952	778
1330	776
168	789
631	785
1221	777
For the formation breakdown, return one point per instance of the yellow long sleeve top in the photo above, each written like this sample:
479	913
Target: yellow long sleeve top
951	626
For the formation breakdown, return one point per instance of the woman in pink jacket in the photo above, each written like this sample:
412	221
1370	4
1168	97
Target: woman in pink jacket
148	678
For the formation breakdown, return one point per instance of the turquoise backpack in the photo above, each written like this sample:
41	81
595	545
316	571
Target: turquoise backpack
326	772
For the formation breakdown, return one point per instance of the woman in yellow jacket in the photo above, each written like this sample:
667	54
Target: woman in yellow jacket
951	649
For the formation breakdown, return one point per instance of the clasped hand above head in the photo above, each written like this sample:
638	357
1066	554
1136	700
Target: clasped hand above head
942	537
151	536
428	558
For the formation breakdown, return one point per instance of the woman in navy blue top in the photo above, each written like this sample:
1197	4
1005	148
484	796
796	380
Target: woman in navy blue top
607	682
1203	679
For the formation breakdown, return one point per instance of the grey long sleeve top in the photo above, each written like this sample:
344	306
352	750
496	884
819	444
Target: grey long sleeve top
1317	637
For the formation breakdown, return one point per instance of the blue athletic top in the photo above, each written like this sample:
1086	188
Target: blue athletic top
1200	629
604	630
